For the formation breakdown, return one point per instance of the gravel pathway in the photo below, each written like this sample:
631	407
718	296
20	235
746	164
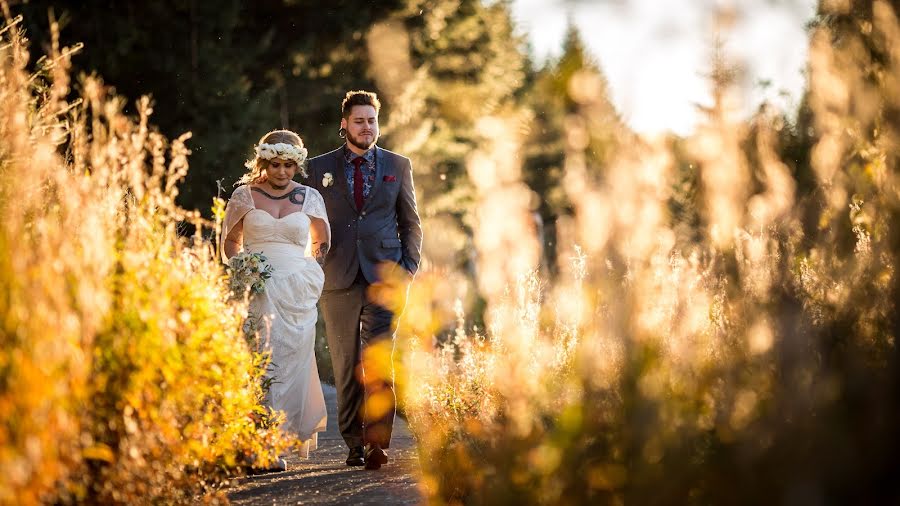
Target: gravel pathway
324	479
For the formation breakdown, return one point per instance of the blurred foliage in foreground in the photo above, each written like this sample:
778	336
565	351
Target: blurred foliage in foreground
726	331
124	375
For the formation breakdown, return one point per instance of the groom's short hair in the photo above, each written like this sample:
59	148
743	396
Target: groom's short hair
359	97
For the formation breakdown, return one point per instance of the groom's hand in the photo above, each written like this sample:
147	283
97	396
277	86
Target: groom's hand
408	266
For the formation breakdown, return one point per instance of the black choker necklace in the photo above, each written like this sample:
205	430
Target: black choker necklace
295	196
274	187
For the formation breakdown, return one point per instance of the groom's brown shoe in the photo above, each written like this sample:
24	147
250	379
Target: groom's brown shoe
375	457
355	457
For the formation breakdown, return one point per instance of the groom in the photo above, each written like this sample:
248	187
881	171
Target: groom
371	205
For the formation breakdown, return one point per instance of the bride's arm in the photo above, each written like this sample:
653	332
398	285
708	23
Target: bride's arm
232	235
320	237
233	242
319	229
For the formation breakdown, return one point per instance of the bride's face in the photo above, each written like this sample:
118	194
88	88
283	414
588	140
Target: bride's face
280	171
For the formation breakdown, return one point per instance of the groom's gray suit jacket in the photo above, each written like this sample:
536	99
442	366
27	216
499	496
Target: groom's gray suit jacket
386	229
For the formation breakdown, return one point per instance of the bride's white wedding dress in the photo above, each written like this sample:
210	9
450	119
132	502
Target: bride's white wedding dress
287	307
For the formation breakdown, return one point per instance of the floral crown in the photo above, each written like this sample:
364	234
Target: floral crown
281	150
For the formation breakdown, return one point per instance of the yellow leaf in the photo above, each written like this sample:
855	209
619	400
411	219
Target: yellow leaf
98	451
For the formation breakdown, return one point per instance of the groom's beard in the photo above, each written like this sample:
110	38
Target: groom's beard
356	141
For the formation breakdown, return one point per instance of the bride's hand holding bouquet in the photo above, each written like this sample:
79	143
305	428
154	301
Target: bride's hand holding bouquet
247	274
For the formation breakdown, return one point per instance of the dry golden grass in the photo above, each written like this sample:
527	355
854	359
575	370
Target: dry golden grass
748	359
124	375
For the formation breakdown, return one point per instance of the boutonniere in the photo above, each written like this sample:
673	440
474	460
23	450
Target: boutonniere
327	180
390	179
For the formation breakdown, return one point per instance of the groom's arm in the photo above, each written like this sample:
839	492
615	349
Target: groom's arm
409	226
312	178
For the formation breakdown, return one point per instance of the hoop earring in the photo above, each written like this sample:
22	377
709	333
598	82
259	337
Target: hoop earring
342	132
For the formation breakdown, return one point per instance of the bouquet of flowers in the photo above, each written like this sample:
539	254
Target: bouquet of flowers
248	272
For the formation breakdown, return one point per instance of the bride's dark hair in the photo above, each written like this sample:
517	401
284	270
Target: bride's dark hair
257	166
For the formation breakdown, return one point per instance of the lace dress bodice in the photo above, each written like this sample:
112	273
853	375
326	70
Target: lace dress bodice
261	227
287	237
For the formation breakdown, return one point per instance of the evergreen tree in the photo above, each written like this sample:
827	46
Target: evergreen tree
468	62
559	103
228	71
191	56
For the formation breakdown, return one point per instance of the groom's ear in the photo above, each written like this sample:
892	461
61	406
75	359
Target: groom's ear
344	123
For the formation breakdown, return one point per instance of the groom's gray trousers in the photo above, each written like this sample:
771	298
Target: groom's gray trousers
342	309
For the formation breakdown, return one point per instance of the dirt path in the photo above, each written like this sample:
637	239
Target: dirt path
324	479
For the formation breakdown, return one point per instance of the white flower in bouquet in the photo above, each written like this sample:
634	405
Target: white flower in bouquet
248	272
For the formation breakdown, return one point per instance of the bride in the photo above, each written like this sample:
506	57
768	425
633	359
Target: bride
269	213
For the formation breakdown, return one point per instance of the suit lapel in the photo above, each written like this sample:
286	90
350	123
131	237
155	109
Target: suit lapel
340	178
379	176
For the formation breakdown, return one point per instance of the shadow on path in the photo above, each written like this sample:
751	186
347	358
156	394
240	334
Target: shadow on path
324	479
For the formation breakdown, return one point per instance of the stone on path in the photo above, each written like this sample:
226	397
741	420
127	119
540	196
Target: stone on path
323	478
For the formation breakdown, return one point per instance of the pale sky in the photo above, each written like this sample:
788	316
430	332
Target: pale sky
655	52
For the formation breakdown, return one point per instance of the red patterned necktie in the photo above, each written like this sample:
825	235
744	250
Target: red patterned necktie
358	182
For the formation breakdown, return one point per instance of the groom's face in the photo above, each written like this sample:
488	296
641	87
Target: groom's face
362	126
